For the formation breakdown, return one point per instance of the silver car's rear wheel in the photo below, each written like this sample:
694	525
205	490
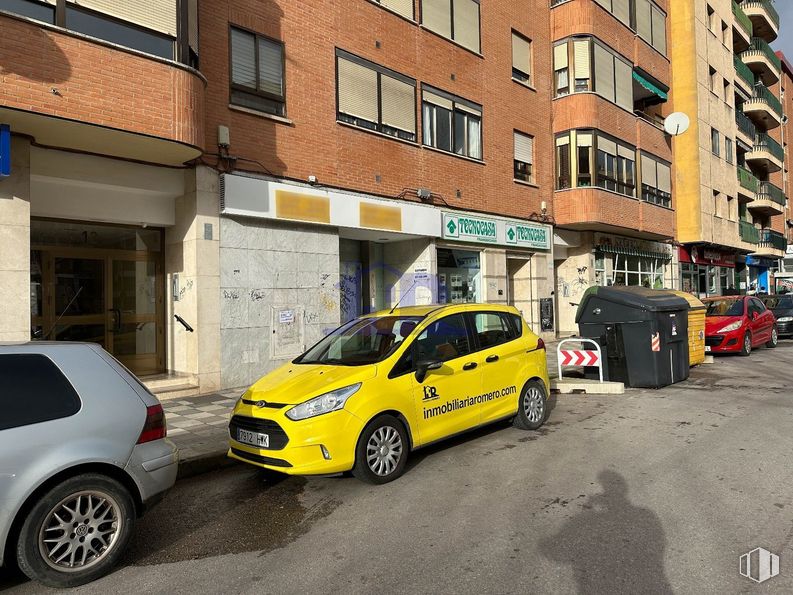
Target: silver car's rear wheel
80	531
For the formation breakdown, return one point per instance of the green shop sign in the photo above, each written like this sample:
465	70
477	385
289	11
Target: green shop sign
531	236
468	228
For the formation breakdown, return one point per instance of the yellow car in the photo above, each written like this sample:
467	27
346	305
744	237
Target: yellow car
388	383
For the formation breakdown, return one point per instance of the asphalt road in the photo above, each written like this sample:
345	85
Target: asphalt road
649	492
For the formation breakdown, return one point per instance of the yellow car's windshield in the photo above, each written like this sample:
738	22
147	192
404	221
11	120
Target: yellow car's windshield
361	341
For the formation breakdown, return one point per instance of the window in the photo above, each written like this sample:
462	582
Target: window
524	157
651	24
712	19
375	98
717	205
601	161
656	181
584	158
728	150
612	77
453	19
443	340
725	34
714	80
257	72
401	7
561	70
727	91
563	162
34	391
732	211
492	329
451	124
521	58
582	76
622	269
616	166
619	8
31	9
715	142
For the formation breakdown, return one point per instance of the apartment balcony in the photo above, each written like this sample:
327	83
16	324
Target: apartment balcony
747	185
762	61
764	17
745	76
766	154
746	128
742	28
764	109
772	244
749	233
769	200
70	91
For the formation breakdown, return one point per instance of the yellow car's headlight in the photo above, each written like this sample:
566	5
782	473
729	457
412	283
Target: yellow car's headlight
332	401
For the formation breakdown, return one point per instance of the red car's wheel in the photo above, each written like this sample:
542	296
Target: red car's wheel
746	349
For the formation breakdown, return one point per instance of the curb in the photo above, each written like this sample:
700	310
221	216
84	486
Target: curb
205	464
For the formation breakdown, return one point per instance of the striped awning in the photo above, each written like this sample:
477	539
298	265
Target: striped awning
650	86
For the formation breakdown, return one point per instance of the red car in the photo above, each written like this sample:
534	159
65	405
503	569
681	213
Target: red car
738	324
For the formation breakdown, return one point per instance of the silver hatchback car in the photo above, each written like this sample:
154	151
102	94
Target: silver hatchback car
82	454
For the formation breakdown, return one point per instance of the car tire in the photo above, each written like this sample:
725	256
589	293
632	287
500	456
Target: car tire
774	339
97	502
532	406
746	346
382	451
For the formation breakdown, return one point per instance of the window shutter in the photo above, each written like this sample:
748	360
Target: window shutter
437	100
243	58
159	15
624	76
626	152
664	178
643	20
605	4
584	139
192	18
271	63
466	23
399	104
436	15
607	145
521	54
622	10
562	140
524	148
357	90
604	72
403	7
581	58
461	107
658	25
648	172
560	56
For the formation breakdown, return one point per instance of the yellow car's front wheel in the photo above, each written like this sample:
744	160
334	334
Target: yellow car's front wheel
382	450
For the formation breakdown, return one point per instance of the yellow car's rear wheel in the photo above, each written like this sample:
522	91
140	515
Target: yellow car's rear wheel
532	407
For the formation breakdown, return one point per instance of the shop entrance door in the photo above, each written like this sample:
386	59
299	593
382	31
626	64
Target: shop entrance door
110	297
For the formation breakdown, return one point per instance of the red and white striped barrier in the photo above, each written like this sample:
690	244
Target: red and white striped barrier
580	357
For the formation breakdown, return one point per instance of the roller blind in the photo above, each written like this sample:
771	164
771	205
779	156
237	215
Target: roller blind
524	148
607	146
521	52
584	139
659	30
648	172
437	16
626	153
562	141
623	73
398	104
357	90
243	58
560	56
643	20
664	178
271	67
466	23
604	72
403	7
468	109
437	100
581	58
159	15
622	10
192	24
605	4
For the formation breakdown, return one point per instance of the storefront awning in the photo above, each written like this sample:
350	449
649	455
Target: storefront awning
632	252
650	86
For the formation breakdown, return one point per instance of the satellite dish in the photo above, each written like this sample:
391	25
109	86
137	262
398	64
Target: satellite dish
676	123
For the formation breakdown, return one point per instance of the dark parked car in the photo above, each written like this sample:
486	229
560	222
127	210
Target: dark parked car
782	307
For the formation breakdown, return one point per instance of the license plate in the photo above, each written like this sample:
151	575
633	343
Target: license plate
253	438
707	348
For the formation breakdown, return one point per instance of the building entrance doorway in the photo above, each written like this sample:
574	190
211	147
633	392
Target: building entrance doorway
101	284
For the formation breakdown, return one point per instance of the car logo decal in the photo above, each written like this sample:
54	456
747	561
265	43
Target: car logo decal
261	404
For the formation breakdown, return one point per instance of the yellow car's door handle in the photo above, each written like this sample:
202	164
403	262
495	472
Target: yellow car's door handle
491	358
469	366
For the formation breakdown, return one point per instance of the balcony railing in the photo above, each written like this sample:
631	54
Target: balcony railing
740	17
748	180
763	142
772	239
744	71
770	192
759	46
762	93
767	5
749	233
745	125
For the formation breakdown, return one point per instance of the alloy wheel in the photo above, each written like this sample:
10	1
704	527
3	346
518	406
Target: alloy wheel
747	344
384	450
80	531
534	404
774	337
